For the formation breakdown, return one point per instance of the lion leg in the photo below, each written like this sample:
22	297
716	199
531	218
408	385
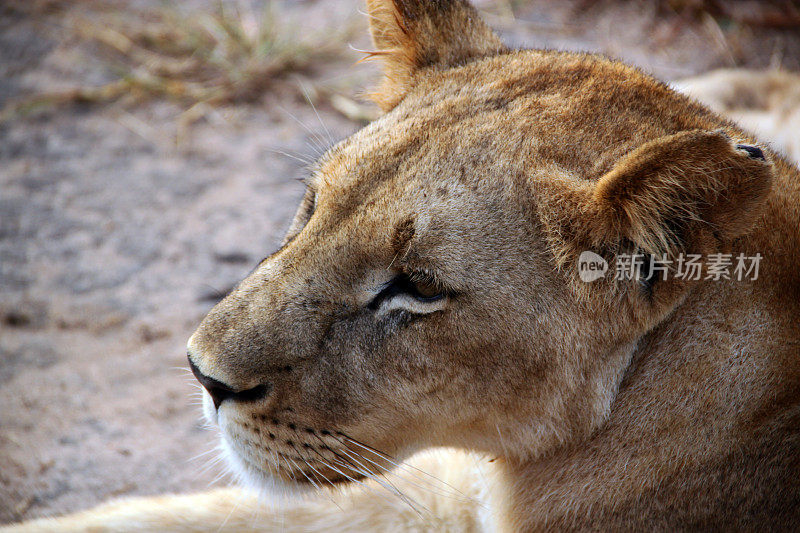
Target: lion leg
232	508
434	493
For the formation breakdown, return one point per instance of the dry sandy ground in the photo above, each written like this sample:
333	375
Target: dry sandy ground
115	240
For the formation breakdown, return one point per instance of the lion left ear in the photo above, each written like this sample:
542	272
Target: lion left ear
413	35
691	192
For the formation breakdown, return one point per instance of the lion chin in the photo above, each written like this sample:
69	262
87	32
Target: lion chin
271	477
268	483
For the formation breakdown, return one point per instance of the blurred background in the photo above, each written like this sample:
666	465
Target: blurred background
150	156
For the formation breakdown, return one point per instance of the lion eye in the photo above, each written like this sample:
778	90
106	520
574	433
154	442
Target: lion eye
417	286
426	291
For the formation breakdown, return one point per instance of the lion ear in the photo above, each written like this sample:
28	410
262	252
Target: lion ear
691	192
412	35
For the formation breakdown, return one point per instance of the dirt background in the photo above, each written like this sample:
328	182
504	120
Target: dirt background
150	156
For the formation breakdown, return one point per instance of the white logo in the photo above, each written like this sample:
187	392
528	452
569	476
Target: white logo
591	266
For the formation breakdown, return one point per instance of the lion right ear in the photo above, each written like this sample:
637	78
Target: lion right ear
413	35
691	192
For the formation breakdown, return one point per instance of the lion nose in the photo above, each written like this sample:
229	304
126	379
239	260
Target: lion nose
220	392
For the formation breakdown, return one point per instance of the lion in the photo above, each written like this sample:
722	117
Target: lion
428	295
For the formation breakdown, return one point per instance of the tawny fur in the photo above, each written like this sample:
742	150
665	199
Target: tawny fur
610	406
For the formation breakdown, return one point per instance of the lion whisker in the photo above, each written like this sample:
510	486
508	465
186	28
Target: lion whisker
297	467
363	470
367	475
199	455
309	464
400	465
316	140
372	475
218	478
211	463
319	118
411	502
371	489
300	159
431	487
330	497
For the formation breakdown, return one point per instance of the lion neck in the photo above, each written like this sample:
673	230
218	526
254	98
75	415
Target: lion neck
688	402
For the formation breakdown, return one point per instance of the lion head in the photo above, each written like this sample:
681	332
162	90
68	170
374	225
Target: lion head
427	295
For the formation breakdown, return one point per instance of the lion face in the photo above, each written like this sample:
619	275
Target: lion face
421	297
375	326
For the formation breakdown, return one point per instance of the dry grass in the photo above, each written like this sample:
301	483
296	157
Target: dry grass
764	13
777	14
232	54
